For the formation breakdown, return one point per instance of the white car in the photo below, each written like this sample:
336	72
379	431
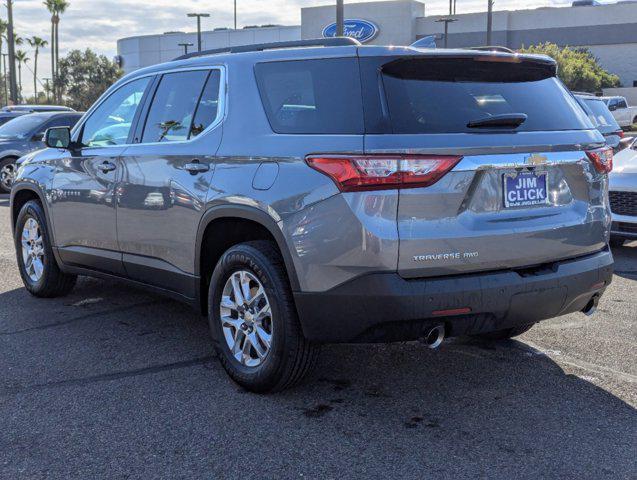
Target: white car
625	115
623	195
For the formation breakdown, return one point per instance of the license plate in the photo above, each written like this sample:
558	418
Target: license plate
524	189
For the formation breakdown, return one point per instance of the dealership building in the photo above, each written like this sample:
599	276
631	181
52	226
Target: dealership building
609	31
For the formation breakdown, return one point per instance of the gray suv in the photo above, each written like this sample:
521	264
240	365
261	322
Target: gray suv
329	192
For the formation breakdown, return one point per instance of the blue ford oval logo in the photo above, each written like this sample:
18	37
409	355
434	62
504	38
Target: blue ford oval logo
361	30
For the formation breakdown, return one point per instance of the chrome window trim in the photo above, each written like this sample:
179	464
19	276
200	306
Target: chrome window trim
221	108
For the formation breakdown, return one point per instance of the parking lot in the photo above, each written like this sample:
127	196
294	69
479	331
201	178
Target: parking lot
115	382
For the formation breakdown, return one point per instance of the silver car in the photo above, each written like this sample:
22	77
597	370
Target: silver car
623	195
313	192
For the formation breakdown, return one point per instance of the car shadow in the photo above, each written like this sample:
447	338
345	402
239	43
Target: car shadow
626	256
502	409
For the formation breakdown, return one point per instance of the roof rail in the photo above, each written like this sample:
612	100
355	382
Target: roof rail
493	48
259	47
587	94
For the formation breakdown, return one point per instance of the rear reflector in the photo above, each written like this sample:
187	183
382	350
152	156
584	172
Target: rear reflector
380	172
602	159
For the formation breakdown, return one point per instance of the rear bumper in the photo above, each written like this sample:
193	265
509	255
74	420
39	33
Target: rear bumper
386	307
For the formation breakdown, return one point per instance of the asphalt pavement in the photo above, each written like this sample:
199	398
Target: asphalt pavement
114	382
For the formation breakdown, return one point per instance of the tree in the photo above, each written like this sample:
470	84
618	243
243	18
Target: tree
21	58
84	76
577	67
37	43
56	8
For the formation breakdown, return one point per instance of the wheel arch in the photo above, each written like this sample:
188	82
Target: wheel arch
266	225
21	193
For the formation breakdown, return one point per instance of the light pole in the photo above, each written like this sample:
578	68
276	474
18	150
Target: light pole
199	16
340	18
446	21
489	21
4	82
235	14
185	45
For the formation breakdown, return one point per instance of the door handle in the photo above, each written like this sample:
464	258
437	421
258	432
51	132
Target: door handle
107	166
196	167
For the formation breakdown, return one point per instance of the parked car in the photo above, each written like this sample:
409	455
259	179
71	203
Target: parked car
623	196
601	118
8	116
424	194
25	134
36	108
626	116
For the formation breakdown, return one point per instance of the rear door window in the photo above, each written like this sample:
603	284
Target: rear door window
174	105
438	95
312	96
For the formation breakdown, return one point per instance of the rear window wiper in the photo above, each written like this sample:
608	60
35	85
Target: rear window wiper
504	120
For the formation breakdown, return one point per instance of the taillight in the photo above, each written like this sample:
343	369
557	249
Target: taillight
602	159
378	172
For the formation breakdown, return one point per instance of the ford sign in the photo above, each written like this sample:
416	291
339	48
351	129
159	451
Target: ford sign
361	30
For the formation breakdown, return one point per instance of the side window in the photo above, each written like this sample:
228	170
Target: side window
208	106
172	112
622	103
111	122
312	96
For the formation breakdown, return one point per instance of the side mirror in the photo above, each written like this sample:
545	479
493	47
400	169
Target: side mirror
58	137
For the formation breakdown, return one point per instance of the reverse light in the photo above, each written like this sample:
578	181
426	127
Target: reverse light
380	172
602	159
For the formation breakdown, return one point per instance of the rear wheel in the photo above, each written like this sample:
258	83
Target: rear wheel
505	334
253	320
7	174
39	271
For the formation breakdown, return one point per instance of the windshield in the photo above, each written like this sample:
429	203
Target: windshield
21	127
601	115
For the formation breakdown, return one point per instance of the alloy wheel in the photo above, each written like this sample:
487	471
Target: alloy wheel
33	249
246	318
7	174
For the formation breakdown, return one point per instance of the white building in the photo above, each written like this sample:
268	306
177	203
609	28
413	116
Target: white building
609	31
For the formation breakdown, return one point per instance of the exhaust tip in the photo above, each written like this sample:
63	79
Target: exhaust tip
591	306
435	336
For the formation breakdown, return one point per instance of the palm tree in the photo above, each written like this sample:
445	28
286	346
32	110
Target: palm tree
37	43
56	8
21	57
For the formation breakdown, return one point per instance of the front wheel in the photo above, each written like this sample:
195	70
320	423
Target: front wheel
7	174
38	268
253	320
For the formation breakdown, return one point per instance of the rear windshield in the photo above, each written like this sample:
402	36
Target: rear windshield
437	95
312	96
600	115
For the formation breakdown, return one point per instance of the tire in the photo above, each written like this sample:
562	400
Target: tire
289	356
505	334
617	242
7	171
48	281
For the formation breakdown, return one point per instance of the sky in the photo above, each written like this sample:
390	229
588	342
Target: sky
98	24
